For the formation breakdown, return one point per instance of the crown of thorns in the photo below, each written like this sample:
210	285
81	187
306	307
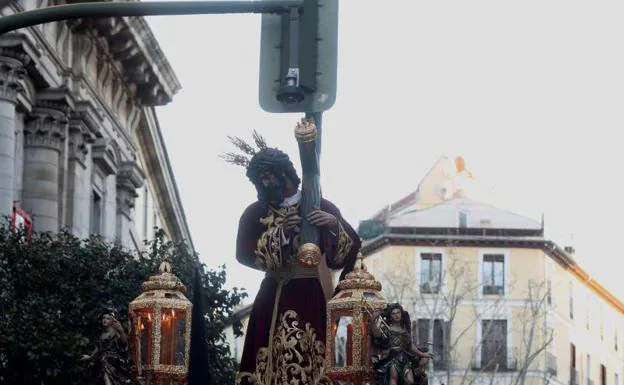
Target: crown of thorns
247	151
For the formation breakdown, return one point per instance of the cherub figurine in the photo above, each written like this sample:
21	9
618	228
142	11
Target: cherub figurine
111	353
398	360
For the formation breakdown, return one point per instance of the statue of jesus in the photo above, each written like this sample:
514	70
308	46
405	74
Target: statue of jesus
285	337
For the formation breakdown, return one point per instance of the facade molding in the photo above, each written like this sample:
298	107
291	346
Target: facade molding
549	247
157	159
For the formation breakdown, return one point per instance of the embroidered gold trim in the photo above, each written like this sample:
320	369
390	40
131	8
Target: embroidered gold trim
294	356
269	247
344	244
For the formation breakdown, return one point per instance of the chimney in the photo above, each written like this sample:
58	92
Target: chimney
569	249
463	220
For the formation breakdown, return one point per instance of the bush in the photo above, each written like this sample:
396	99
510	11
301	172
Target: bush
54	287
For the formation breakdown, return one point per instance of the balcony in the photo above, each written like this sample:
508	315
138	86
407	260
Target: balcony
551	364
496	362
429	288
493	290
575	377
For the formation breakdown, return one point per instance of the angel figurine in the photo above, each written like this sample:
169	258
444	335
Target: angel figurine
111	353
398	361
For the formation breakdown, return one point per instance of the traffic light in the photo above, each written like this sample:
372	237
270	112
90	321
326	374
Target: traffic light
298	58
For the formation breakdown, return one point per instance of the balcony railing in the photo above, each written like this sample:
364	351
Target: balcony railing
551	363
505	361
575	377
429	288
439	359
493	290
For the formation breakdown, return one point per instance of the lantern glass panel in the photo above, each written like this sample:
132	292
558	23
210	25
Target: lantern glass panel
366	342
343	340
143	326
172	341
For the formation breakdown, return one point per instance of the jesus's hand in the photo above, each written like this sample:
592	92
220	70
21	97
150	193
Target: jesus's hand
322	219
291	223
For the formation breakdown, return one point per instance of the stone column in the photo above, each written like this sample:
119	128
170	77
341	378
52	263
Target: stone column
78	192
11	72
44	134
129	179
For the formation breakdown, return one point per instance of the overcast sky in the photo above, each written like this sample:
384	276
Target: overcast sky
531	93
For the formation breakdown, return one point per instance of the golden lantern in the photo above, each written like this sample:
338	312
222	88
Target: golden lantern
161	329
349	314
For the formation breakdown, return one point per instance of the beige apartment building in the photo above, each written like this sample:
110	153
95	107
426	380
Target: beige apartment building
508	306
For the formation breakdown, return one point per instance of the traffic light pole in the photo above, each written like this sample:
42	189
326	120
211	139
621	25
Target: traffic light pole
157	8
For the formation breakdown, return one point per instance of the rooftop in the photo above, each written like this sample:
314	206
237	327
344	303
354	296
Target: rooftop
449	205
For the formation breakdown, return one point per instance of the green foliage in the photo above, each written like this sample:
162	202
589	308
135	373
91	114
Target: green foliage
370	229
53	289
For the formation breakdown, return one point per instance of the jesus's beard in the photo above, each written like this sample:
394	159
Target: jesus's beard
271	195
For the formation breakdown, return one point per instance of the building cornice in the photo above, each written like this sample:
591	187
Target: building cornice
557	253
157	161
160	66
131	42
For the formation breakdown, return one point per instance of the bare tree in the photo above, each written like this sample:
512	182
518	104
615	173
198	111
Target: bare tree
398	280
480	310
536	335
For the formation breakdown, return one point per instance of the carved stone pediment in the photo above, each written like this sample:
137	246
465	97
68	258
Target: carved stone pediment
105	156
131	174
60	99
88	117
84	123
129	179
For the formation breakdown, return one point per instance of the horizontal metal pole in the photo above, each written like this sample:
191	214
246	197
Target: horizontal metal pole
156	8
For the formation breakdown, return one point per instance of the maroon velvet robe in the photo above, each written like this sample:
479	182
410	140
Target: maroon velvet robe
286	340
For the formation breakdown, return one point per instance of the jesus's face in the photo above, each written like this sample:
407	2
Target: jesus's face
271	188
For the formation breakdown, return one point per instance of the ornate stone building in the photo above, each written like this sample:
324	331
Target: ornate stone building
80	144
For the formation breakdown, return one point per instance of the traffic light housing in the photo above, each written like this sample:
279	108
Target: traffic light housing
298	58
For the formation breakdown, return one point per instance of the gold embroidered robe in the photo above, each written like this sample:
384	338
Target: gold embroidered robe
285	336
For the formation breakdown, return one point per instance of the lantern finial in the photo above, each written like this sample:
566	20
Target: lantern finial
165	267
166	280
359	278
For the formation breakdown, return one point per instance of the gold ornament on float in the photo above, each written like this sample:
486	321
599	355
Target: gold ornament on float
349	314
161	329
